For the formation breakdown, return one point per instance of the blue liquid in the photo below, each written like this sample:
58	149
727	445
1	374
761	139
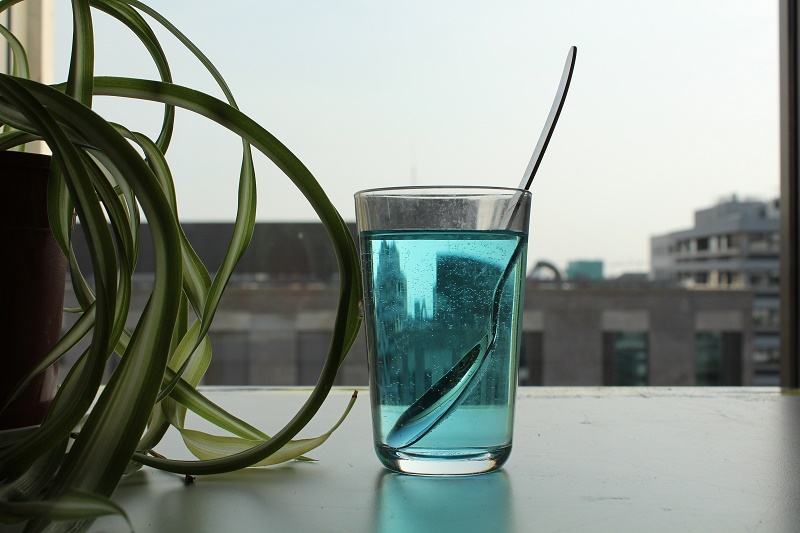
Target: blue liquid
428	302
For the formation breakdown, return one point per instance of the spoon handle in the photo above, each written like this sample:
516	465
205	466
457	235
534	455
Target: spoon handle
450	390
552	118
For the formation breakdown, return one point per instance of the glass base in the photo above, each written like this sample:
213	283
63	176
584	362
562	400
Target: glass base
439	463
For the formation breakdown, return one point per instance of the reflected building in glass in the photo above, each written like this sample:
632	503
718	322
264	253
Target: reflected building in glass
391	311
469	305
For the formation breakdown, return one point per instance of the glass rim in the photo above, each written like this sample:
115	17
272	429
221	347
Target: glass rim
425	190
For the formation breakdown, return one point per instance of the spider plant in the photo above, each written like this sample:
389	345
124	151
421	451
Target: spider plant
60	475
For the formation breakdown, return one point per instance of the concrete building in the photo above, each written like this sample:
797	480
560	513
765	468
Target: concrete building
271	335
274	323
585	270
733	245
636	336
32	22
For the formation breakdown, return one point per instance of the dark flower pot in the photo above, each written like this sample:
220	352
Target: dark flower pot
32	275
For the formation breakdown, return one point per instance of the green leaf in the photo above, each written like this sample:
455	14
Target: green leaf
348	317
72	505
101	452
124	245
246	208
96	173
245	217
83	292
14	138
81	65
30	484
205	446
20	67
78	331
63	416
60	211
136	23
19	59
196	280
195	369
348	313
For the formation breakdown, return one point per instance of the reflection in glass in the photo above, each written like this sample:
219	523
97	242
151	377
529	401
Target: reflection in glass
414	504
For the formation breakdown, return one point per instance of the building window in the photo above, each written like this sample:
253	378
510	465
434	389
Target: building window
718	358
773	279
766	317
625	358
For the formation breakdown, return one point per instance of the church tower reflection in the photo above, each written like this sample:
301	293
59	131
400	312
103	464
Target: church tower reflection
391	310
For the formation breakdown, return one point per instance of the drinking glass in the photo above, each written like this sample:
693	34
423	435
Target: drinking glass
444	279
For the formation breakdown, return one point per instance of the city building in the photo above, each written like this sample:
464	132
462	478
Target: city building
610	334
274	323
584	270
733	245
31	22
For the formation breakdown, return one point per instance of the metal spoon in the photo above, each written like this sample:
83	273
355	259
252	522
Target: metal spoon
450	390
552	118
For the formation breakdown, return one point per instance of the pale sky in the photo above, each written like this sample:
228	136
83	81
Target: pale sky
673	105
